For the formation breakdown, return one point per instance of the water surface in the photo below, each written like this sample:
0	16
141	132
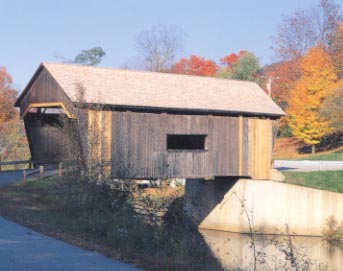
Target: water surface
273	252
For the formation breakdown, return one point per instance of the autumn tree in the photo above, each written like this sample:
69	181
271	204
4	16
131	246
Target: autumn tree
228	61
317	81
13	144
91	57
299	31
226	64
241	66
246	68
336	50
13	141
277	80
332	109
195	65
326	19
7	97
304	29
294	36
281	76
158	47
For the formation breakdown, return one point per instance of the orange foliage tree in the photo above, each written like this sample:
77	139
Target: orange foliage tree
13	142
229	60
7	97
242	66
195	65
281	78
317	81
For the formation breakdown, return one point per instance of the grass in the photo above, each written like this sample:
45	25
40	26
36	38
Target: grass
332	156
292	149
325	180
102	218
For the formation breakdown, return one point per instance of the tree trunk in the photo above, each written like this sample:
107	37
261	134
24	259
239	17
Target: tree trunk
313	149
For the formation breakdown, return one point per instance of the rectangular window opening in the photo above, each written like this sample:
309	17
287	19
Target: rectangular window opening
186	142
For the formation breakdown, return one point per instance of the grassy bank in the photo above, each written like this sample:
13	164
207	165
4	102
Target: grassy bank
105	219
146	228
325	180
332	156
336	155
293	149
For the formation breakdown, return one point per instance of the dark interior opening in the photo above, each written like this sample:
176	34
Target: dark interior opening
186	142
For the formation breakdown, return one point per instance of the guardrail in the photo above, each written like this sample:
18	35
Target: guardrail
10	163
41	170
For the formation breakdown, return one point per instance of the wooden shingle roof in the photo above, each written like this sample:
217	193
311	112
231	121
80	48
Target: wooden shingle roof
160	90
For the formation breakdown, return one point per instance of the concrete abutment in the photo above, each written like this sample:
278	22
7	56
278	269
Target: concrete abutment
228	205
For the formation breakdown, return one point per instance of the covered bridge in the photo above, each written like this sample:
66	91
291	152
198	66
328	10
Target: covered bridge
148	124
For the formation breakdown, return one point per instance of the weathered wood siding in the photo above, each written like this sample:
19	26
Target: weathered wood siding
136	143
260	148
48	139
99	138
45	90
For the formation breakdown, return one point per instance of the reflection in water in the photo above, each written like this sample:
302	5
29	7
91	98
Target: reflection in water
235	250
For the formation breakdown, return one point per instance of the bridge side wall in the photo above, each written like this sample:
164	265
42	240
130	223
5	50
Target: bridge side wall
217	205
136	145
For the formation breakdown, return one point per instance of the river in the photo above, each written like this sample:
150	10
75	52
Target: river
273	252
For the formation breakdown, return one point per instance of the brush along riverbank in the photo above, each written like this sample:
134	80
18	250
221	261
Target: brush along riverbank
107	218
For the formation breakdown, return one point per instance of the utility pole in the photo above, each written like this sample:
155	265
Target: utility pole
269	86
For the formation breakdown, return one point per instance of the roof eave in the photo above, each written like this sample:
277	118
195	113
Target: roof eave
188	110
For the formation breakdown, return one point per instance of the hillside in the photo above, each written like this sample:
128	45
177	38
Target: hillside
292	148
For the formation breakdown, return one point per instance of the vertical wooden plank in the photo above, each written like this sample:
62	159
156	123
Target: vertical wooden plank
107	128
240	146
246	158
90	135
260	148
269	142
252	147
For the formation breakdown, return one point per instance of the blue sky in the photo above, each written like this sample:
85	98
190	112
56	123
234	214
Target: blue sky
33	31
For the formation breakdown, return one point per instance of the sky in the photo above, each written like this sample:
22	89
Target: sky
33	31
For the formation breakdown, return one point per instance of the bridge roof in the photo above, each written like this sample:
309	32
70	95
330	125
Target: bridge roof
159	90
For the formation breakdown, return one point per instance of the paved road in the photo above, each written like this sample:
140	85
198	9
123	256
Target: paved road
307	165
7	177
12	176
22	249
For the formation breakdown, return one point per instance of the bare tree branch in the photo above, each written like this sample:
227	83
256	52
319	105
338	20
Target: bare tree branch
306	28
158	47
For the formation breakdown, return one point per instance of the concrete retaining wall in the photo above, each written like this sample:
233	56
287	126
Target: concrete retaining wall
217	204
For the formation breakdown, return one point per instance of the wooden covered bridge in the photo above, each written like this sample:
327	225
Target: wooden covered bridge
148	124
216	133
